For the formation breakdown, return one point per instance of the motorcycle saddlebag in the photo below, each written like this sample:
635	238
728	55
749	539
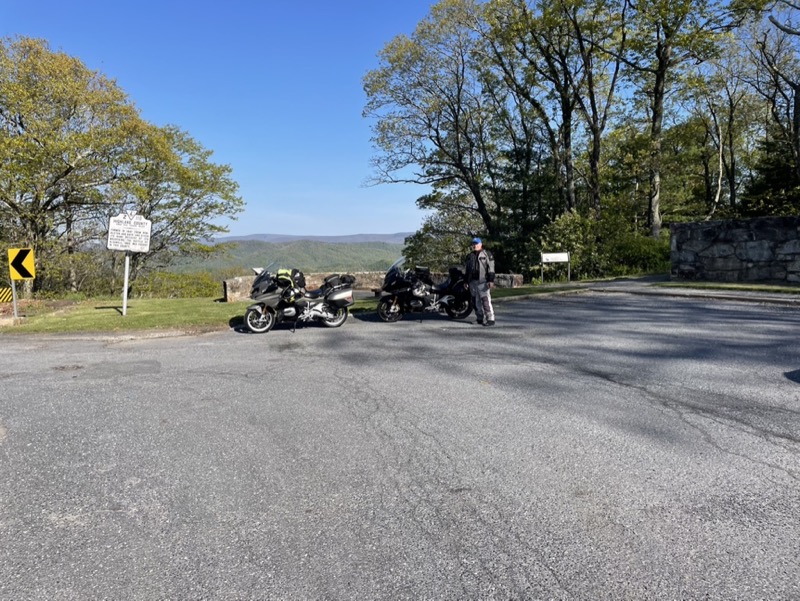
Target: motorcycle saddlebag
341	298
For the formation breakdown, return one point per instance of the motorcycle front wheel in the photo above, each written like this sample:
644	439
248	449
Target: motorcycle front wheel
259	322
388	311
339	317
460	309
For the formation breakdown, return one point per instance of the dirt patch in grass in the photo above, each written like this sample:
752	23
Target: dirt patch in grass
32	307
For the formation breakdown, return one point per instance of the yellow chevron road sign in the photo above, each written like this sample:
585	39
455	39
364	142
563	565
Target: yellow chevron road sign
20	264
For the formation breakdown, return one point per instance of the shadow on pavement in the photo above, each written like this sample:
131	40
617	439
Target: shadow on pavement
794	376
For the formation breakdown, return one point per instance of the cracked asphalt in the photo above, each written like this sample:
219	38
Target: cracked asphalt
590	446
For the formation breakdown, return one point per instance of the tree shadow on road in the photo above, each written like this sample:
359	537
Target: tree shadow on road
794	376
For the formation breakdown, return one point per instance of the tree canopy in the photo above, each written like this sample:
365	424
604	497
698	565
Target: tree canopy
531	117
74	151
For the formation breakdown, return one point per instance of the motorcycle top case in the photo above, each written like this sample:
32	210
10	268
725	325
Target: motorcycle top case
335	280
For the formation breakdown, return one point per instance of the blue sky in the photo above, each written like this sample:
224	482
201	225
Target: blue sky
273	88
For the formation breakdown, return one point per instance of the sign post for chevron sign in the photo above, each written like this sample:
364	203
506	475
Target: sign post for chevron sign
20	267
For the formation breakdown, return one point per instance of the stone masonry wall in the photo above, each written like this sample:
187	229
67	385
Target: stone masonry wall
237	289
765	249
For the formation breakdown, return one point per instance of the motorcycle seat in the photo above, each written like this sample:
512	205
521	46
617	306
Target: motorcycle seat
314	293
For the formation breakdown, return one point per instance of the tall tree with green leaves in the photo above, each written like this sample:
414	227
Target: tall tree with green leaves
720	95
180	190
74	151
64	135
444	116
535	54
777	47
665	36
430	121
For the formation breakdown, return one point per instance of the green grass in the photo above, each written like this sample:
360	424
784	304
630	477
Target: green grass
105	316
778	288
198	314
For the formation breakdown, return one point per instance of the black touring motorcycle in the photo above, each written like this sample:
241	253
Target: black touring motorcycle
413	291
282	296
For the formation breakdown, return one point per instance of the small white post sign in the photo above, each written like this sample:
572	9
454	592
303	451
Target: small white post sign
129	232
557	258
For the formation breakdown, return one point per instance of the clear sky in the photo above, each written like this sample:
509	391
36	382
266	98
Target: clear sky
272	87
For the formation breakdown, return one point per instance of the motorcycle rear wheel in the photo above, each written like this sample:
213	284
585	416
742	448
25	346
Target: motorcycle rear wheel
460	309
339	317
385	312
259	322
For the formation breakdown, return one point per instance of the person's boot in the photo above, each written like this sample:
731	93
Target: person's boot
479	321
489	322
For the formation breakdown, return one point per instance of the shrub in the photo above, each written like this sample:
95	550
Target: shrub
162	284
604	248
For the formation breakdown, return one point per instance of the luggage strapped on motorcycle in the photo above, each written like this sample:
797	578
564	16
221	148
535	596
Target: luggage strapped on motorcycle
336	280
292	281
290	277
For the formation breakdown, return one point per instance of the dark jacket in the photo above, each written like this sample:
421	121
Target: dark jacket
479	266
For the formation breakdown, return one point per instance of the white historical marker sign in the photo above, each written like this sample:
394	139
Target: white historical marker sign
129	232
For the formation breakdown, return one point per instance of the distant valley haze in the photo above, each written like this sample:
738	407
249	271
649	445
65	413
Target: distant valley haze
397	238
311	254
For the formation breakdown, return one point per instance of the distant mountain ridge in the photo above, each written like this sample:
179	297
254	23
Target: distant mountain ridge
311	256
398	238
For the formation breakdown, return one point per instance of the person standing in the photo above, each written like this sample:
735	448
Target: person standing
479	269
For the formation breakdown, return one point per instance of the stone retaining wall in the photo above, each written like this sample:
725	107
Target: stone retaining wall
237	289
765	249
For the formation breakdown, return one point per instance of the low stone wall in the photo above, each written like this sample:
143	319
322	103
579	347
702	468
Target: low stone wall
238	289
765	249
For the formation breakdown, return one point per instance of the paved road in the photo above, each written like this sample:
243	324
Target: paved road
590	446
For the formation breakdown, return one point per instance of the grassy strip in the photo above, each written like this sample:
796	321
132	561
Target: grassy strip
195	314
775	288
207	314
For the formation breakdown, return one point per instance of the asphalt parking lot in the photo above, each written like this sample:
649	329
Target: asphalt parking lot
601	445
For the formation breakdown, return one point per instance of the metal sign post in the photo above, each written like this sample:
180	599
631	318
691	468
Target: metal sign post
125	286
14	295
21	266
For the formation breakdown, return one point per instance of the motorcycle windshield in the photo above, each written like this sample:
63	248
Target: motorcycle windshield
262	277
394	271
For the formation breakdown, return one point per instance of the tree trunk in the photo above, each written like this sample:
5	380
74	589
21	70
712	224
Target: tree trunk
796	129
656	126
569	163
72	273
594	171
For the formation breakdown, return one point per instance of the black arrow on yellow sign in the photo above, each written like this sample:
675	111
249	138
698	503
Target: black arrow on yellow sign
21	266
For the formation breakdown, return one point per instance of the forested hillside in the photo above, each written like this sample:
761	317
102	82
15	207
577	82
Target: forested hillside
306	255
